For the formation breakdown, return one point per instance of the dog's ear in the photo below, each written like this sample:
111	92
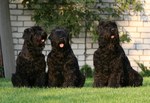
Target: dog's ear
67	32
27	34
99	27
114	24
101	23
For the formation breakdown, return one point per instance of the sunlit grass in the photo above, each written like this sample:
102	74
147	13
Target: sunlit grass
87	94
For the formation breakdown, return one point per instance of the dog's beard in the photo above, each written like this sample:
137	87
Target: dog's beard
37	46
42	41
39	41
112	36
110	41
113	41
61	45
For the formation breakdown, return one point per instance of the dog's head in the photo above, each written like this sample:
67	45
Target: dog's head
36	36
108	31
59	38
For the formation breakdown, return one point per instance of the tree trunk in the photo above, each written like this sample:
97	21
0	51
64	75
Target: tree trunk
6	39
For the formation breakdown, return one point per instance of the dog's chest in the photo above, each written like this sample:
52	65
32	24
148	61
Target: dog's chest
107	55
58	59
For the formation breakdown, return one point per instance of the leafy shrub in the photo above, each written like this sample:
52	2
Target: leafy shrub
145	71
79	15
87	70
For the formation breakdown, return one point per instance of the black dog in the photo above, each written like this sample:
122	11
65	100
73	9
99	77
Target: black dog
30	63
112	67
63	68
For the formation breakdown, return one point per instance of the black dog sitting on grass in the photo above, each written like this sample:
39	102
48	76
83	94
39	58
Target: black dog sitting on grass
63	68
30	63
112	67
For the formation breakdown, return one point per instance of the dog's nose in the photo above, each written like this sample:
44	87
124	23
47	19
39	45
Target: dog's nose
112	29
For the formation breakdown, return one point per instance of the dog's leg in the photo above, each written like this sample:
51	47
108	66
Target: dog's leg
55	79
18	82
114	80
100	80
70	79
41	80
71	73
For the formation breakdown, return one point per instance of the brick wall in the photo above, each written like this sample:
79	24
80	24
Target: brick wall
137	25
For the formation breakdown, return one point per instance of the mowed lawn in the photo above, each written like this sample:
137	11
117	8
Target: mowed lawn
87	94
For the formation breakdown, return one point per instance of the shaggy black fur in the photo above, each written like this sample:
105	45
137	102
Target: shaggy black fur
63	68
112	67
30	63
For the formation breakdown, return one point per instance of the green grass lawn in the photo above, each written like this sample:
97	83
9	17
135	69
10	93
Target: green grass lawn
87	94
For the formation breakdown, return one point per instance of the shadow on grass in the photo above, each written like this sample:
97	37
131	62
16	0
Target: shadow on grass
88	83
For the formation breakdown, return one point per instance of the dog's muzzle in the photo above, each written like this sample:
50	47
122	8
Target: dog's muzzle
112	36
113	33
61	44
